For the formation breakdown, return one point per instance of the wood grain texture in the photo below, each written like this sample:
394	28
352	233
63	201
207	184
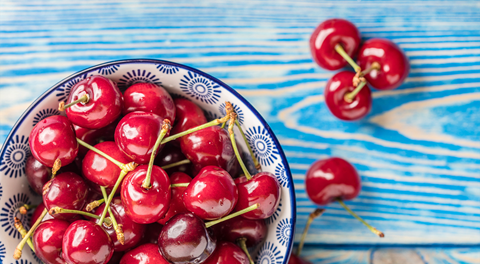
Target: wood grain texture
418	151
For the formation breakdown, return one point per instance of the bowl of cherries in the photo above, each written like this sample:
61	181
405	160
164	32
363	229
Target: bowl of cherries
144	161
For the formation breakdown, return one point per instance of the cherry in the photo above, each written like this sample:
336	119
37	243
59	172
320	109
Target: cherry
189	115
47	240
148	97
37	174
37	213
136	134
325	38
184	239
212	194
176	201
86	243
144	254
294	259
227	253
152	231
94	136
335	97
255	231
145	206
132	231
53	138
100	170
172	154
393	63
210	146
58	193
263	189
102	102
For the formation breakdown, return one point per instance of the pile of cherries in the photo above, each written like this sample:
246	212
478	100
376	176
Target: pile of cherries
381	63
116	172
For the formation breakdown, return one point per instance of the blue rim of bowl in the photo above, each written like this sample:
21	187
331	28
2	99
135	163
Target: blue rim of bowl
224	85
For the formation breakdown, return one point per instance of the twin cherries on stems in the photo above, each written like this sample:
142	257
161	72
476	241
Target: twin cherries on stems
125	189
381	63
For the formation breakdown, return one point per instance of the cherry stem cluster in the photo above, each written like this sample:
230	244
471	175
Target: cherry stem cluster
21	229
18	250
118	228
83	99
318	212
233	117
230	216
371	228
165	129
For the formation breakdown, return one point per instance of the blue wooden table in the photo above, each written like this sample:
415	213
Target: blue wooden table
418	151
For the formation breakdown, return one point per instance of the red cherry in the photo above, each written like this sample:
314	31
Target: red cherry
336	89
171	154
94	136
86	243
145	206
227	253
47	240
212	194
58	193
263	189
189	115
132	231
136	135
330	33
176	202
37	212
148	97
100	170
210	146
144	254
152	231
330	179
294	259
54	138
393	62
37	174
104	103
255	231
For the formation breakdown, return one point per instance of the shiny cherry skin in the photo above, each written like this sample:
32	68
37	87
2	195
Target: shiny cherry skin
133	232
330	33
329	179
36	214
47	240
58	192
212	194
152	231
210	146
146	206
103	107
148	97
185	239
255	231
176	202
227	253
189	115
37	174
136	134
100	170
171	153
336	89
144	254
94	136
263	189
394	65
52	138
86	243
294	259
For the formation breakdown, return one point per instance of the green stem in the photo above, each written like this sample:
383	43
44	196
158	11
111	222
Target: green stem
243	245
237	153
165	128
179	185
371	228
94	205
313	215
58	210
112	193
83	99
101	153
191	130
112	217
255	160
350	96
20	228
18	250
230	216
374	66
175	164
345	56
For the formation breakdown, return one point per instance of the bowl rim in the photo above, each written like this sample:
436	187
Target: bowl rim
221	83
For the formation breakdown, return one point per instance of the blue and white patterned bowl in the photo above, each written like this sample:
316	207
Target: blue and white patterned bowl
183	81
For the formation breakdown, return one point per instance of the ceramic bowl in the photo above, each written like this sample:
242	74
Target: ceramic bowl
181	81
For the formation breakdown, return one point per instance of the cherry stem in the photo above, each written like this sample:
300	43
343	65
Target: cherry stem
175	164
223	125
24	208
165	128
94	205
118	228
130	167
255	160
371	228
59	210
345	56
84	99
350	96
230	216
56	166
179	185
374	66
21	229
18	250
195	129
243	245
313	215
234	145
101	153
